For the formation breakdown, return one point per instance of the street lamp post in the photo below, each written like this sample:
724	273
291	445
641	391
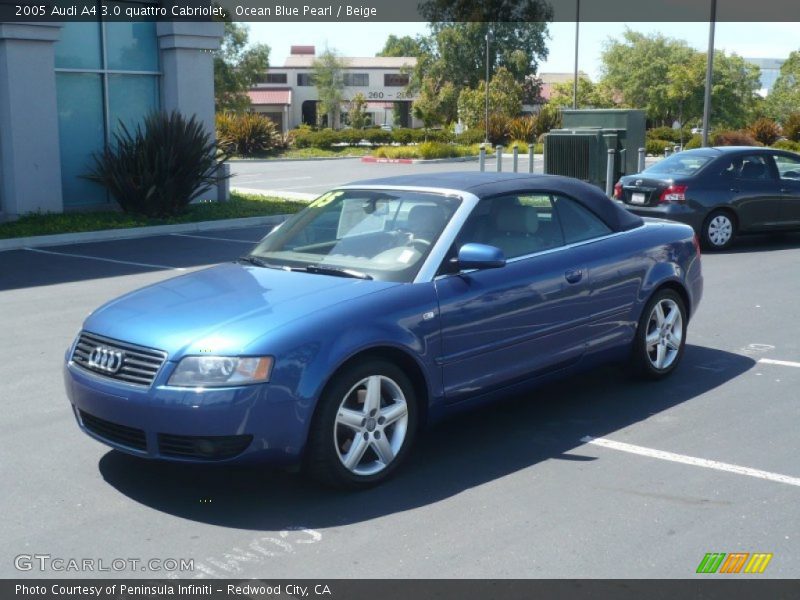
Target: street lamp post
709	72
486	115
575	74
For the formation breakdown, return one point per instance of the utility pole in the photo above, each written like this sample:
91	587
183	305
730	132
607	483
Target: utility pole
575	74
709	73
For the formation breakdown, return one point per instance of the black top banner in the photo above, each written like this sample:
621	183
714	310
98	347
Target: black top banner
36	11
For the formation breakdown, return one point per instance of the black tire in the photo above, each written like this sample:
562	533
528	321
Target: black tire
328	439
719	230
645	356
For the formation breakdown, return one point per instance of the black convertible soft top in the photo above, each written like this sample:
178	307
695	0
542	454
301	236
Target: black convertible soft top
484	185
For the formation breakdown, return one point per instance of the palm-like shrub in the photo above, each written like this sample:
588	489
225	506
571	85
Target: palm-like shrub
157	169
523	129
765	130
733	138
247	134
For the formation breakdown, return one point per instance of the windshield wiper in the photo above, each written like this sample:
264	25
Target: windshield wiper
337	272
260	262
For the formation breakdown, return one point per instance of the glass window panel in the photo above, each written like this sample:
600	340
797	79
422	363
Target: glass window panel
78	46
130	99
80	129
131	46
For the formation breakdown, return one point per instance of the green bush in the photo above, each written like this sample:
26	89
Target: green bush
664	133
695	142
160	167
523	128
787	145
469	137
522	147
246	134
657	147
765	131
791	127
427	151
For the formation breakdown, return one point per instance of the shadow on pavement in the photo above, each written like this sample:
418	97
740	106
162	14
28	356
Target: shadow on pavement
467	451
762	243
115	258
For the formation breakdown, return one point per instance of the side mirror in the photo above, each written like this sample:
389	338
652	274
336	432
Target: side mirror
480	256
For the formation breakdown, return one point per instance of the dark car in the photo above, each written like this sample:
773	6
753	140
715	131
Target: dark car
383	306
721	192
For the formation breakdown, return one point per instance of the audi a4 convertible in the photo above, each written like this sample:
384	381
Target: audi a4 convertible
384	306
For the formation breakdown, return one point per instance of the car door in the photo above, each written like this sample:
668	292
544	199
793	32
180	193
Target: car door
788	168
501	326
755	191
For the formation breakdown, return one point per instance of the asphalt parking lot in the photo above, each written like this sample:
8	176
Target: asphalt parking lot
595	477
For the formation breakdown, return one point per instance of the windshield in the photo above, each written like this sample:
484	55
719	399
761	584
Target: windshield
372	234
678	164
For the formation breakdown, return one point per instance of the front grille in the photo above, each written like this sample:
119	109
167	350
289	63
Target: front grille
113	432
203	447
118	360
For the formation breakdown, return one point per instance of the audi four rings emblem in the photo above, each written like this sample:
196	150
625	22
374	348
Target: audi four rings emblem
106	359
638	182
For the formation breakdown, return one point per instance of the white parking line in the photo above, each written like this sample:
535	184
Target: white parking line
219	239
691	460
110	260
783	363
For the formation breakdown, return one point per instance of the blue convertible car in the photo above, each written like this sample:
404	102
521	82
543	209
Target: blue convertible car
383	306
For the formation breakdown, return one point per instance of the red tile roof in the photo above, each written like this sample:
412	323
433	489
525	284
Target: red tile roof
282	96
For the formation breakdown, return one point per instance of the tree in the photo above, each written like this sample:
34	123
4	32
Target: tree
505	99
237	68
638	67
357	112
590	95
437	102
402	46
666	77
329	81
784	98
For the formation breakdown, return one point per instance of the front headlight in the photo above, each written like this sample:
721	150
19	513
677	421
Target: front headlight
215	371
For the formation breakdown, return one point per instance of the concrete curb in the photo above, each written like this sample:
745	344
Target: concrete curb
276	160
135	232
417	161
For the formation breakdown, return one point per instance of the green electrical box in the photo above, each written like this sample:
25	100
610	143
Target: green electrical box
580	148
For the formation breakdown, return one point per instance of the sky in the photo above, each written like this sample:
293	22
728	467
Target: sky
750	40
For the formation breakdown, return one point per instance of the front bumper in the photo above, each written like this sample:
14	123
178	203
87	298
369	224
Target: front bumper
254	423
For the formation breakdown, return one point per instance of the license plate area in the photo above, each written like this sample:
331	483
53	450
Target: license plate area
638	198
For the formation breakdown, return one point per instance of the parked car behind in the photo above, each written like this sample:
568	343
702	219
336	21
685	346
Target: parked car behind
721	192
384	305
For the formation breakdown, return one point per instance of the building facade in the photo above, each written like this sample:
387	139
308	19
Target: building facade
65	87
770	71
288	94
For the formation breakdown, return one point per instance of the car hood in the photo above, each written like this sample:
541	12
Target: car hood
221	310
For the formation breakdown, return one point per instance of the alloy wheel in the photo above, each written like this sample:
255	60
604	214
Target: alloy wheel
664	334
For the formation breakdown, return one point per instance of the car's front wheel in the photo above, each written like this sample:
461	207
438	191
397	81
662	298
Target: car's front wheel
719	229
660	336
364	425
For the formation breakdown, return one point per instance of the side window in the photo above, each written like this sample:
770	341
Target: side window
518	224
578	223
753	168
788	167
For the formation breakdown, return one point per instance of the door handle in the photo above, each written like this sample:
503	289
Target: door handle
735	190
573	275
785	190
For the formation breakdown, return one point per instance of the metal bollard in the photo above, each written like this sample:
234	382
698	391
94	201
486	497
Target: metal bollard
640	166
499	154
515	162
224	184
610	173
530	158
482	159
676	149
667	152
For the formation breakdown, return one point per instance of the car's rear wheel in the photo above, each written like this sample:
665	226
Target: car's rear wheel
364	426
719	230
660	336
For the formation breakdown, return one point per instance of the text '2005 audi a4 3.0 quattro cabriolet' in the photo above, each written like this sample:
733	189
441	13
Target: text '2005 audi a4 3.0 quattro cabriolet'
383	306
